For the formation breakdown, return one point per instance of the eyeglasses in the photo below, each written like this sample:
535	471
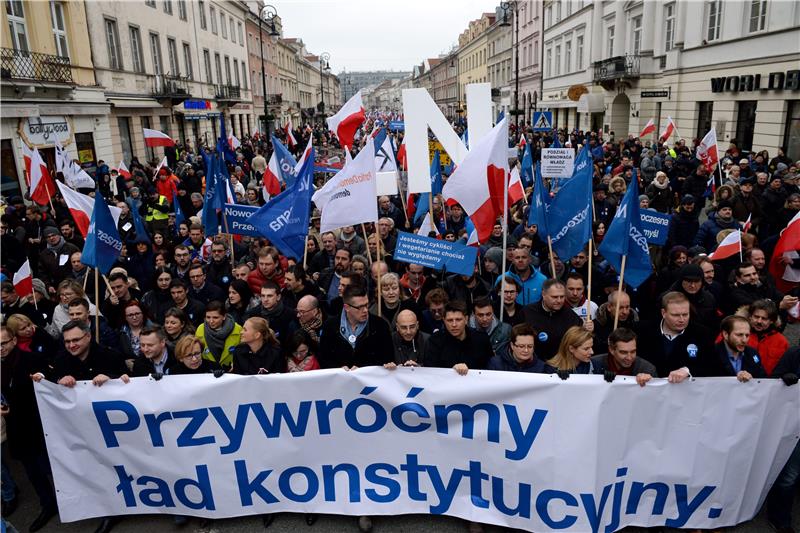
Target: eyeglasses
303	311
359	307
524	347
76	340
194	355
6	343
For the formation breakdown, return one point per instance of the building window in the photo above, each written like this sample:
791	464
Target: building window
705	111
637	35
213	17
155	51
151	3
241	34
236	73
218	66
745	124
548	62
758	15
548	16
59	28
136	49
201	6
172	51
610	41
227	70
558	12
16	24
669	27
182	10
558	60
114	48
223	25
714	20
535	60
233	30
207	65
568	56
187	60
791	134
168	7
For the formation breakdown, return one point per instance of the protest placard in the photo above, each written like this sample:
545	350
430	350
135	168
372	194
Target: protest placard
433	253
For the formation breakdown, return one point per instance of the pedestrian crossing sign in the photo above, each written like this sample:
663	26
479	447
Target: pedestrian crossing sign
543	121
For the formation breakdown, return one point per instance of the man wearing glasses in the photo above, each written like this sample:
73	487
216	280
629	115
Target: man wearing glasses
354	337
519	355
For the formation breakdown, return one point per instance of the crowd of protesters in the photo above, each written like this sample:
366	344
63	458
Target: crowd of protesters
180	302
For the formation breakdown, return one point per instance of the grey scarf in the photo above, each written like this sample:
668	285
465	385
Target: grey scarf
215	338
57	248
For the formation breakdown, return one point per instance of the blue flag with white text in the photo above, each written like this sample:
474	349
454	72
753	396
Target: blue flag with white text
570	212
179	216
539	203
286	163
138	224
436	174
284	219
526	168
214	200
103	243
222	143
625	238
556	141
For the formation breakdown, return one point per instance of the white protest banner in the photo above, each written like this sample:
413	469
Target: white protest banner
349	197
557	162
520	450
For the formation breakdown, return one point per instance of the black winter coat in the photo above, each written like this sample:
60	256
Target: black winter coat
247	363
550	327
373	346
25	434
446	351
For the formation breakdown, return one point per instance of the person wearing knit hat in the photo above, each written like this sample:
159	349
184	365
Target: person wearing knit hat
492	264
689	281
719	220
644	201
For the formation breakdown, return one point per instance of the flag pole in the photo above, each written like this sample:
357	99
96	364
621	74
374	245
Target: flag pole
366	241
33	297
552	259
430	207
380	290
85	278
589	285
405	208
97	305
305	254
619	291
233	254
49	198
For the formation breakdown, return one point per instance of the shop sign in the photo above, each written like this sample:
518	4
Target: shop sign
46	130
775	81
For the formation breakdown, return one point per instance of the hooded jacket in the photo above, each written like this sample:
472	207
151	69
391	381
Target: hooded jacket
505	361
707	235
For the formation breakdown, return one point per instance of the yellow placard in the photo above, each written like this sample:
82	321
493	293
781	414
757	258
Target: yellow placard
443	157
86	156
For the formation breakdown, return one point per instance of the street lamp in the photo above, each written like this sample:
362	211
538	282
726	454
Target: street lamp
506	7
324	64
266	14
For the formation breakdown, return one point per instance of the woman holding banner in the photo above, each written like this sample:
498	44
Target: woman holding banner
574	354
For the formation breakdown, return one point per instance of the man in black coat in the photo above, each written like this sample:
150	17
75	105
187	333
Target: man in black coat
733	356
201	289
354	337
458	346
677	347
551	318
25	434
281	319
155	357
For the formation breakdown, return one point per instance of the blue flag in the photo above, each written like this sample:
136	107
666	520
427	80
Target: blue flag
103	243
500	116
570	212
179	217
556	141
436	174
213	200
222	143
422	207
526	169
284	219
138	224
625	238
465	138
539	204
286	163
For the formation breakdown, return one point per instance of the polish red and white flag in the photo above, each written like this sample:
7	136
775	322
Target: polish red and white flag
730	246
289	130
23	280
81	207
40	183
479	182
649	128
747	223
782	255
516	191
123	170
153	138
707	151
668	130
349	118
270	181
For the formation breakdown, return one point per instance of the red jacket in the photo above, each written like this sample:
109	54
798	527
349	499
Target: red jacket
256	279
770	346
167	187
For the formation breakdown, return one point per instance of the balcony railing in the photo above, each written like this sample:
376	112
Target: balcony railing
617	68
227	93
22	65
170	86
274	99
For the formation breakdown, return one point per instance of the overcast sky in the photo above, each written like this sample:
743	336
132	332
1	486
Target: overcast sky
378	35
